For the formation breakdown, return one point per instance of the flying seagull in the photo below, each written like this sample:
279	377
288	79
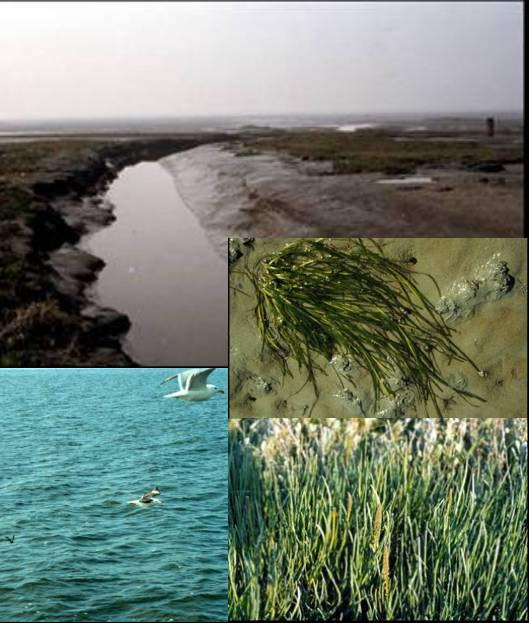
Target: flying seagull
193	385
11	539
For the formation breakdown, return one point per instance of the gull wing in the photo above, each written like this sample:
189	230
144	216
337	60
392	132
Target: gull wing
184	378
169	378
198	379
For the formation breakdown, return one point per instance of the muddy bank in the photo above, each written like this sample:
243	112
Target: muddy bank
294	186
49	197
483	297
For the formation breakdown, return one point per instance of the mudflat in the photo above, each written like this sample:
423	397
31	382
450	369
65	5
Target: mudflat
379	183
261	182
482	296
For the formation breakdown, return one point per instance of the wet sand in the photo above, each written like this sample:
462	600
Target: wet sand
161	270
491	330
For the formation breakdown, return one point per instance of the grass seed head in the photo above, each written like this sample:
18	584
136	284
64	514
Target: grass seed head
385	571
377	528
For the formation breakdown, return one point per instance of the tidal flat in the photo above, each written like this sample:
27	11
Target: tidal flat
478	289
51	192
448	179
327	183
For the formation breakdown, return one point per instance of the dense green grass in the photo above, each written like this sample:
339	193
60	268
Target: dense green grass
315	298
376	151
408	520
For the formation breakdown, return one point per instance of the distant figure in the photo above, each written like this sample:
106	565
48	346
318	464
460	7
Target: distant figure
490	126
193	385
11	539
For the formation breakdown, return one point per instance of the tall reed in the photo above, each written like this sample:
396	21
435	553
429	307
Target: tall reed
424	520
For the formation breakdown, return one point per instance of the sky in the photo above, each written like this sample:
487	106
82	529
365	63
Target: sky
144	59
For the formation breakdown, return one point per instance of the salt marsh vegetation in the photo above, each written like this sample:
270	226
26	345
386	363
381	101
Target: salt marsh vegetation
353	304
372	519
411	327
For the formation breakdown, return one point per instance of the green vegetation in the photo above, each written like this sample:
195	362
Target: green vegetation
378	520
25	158
315	298
368	151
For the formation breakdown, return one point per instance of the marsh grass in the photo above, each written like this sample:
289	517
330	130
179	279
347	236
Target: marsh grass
420	520
315	298
375	150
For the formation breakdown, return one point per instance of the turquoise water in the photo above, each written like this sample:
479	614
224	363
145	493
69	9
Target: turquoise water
75	446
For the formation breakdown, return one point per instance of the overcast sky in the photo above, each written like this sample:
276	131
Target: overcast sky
146	59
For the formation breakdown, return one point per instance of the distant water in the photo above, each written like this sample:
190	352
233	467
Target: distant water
456	120
76	445
353	127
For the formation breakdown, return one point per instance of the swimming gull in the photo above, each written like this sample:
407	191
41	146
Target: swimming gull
147	498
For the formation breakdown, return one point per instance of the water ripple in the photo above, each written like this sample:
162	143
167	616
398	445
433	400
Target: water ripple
74	450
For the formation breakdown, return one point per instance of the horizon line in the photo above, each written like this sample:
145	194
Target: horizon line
169	116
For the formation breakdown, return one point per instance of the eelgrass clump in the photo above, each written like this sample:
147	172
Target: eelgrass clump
315	298
378	520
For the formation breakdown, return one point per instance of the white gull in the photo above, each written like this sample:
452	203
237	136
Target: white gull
193	385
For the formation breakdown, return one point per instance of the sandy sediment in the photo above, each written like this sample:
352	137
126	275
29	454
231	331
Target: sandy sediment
483	297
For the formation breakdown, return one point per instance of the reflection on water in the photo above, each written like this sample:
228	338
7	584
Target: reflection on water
353	127
162	272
